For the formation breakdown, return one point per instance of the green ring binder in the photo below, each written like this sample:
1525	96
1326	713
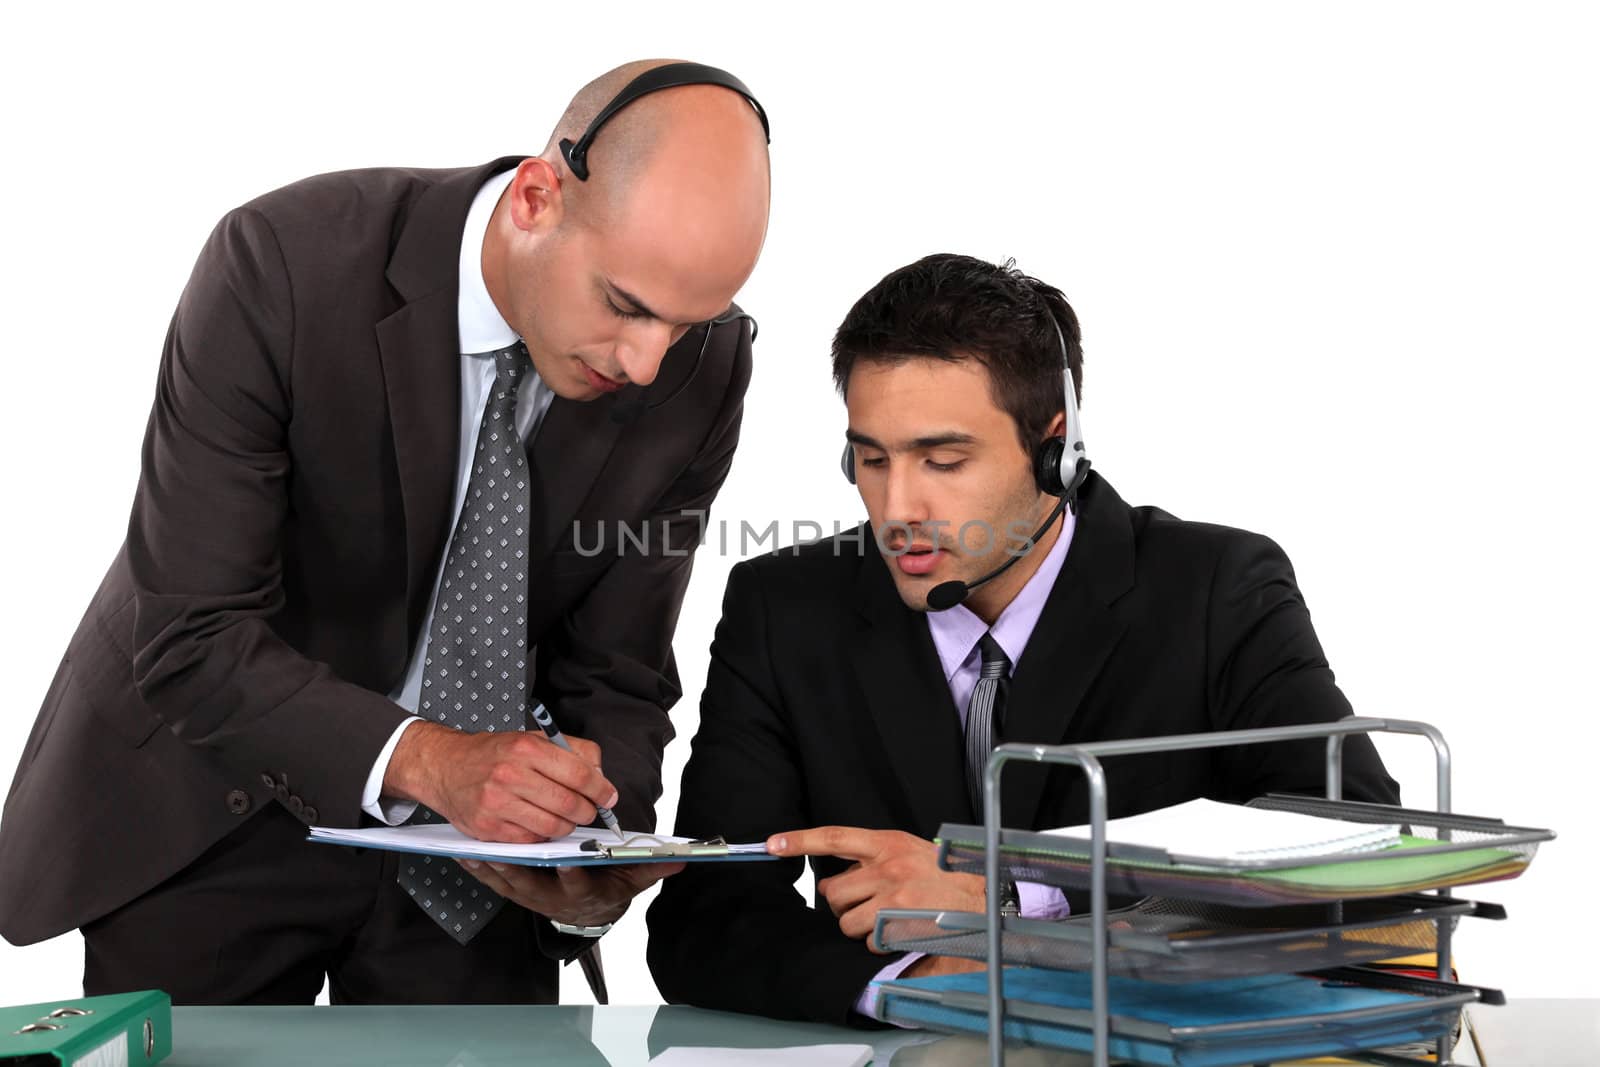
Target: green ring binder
125	1029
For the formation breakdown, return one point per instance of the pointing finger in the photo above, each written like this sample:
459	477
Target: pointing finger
847	842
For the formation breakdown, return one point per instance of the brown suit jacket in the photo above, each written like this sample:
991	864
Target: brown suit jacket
292	511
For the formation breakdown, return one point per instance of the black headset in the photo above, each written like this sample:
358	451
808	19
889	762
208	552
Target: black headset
669	76
1060	464
1060	467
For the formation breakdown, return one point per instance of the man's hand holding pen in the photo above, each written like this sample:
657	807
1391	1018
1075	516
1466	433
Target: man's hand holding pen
516	787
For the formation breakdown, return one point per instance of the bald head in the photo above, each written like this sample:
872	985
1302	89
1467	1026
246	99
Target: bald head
708	124
628	135
601	277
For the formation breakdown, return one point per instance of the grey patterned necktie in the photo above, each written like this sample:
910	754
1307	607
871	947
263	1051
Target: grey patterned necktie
986	707
475	675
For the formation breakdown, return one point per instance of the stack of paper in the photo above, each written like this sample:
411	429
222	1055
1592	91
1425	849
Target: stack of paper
1206	832
1257	856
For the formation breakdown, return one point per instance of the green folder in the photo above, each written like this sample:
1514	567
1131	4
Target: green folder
1414	865
120	1030
1393	870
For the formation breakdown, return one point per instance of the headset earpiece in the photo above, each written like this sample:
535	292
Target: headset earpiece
1047	465
1060	464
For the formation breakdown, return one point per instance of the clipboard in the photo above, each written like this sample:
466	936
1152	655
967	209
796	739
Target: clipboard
585	847
635	850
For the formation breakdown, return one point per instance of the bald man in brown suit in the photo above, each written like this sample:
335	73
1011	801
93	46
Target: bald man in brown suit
252	659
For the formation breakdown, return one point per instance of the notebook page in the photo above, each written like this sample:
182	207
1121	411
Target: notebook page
1208	828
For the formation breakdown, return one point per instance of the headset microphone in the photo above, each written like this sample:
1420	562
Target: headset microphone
1060	467
947	595
635	400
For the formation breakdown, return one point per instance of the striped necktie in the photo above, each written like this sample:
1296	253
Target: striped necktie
984	710
987	708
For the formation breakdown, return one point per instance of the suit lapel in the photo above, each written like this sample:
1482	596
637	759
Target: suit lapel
423	383
564	461
908	700
1074	637
419	347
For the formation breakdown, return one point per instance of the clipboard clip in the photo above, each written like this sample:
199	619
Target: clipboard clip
643	846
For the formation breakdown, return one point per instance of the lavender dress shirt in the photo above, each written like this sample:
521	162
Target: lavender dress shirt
955	637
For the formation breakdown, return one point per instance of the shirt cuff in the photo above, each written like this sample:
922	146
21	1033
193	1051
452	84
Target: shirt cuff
867	1002
390	811
1040	901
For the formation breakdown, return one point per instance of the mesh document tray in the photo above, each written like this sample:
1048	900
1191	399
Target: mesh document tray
1436	850
1201	1024
1165	940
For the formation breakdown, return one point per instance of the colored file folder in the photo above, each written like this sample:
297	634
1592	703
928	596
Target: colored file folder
1405	868
1165	940
1220	1023
123	1029
1435	850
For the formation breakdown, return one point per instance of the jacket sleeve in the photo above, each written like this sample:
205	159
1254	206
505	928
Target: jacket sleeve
1265	667
739	936
204	542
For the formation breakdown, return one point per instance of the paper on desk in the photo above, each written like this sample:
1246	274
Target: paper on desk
442	838
797	1056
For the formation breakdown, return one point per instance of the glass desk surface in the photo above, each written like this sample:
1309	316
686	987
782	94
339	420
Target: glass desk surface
445	1036
483	1036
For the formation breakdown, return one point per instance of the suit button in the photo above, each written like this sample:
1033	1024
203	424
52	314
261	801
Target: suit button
297	805
268	781
310	814
238	801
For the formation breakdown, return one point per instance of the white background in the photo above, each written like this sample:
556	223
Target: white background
1336	266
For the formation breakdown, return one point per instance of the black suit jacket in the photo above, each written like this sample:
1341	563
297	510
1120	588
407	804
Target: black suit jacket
825	703
292	511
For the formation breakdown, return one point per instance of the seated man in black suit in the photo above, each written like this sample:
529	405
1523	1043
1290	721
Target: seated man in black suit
836	704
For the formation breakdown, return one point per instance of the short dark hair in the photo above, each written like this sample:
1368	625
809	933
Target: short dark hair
952	307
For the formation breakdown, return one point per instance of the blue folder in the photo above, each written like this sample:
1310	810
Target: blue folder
1198	1024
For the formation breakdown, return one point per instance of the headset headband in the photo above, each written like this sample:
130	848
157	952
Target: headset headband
1074	427
669	76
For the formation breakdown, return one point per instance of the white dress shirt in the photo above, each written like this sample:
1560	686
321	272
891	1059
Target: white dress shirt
482	331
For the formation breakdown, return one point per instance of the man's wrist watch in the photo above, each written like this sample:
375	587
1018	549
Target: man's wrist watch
582	931
1010	900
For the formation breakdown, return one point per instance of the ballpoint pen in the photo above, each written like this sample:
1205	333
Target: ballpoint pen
541	715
